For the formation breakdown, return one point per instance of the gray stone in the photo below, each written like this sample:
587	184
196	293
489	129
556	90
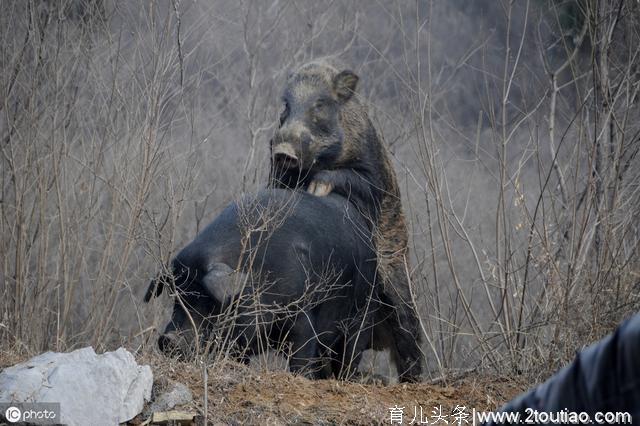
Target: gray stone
174	395
92	389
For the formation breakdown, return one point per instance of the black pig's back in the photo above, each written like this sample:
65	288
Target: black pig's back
289	238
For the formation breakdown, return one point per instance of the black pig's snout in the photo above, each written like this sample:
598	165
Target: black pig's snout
168	343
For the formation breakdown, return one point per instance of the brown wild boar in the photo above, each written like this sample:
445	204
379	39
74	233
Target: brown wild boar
326	143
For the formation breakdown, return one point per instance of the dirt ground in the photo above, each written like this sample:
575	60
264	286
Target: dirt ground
239	395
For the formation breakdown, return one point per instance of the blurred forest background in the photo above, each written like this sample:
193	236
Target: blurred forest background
125	126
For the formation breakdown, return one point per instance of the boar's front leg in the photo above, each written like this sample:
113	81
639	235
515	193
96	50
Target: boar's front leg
359	186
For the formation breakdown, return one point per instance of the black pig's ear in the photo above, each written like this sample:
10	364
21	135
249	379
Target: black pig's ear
154	289
344	85
156	286
222	282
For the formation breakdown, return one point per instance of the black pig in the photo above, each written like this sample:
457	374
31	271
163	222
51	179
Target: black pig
280	268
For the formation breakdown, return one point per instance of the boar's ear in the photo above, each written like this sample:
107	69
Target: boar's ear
344	84
222	282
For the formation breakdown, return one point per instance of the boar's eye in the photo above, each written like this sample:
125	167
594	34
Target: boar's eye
321	105
285	112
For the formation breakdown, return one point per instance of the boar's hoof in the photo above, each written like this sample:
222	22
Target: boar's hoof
319	189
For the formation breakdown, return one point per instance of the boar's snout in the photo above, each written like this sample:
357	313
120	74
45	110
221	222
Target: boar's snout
291	147
284	157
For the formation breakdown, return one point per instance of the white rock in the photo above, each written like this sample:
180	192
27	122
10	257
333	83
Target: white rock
92	389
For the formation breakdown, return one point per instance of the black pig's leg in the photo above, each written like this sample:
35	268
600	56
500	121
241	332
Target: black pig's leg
305	354
349	351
